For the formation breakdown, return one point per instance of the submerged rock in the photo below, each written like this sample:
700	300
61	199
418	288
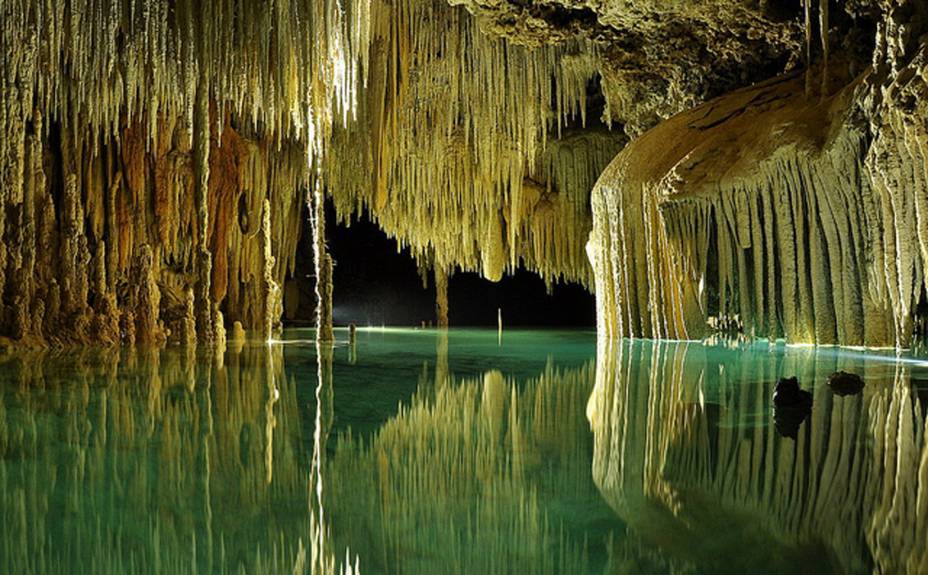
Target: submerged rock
792	406
788	393
843	383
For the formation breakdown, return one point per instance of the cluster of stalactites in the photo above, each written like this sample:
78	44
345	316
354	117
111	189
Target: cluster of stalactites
285	66
461	151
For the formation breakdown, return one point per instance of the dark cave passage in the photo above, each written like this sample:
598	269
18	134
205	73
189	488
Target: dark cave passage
375	284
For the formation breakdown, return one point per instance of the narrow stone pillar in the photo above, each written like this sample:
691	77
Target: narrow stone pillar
273	302
147	301
441	297
323	269
204	261
823	28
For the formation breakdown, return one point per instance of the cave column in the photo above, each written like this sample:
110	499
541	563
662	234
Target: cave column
204	261
441	296
323	263
273	302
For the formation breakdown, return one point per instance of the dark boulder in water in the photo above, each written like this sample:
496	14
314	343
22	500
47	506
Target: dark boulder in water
843	383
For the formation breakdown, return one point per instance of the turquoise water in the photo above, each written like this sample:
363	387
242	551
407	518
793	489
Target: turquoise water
417	452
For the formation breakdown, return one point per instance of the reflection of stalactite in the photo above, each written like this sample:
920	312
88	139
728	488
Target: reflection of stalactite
322	559
454	482
677	424
161	460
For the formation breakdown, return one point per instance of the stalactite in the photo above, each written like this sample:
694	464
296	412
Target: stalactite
146	300
471	162
823	29
156	119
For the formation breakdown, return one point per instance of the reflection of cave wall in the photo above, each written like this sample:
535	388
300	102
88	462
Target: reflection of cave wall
150	462
683	441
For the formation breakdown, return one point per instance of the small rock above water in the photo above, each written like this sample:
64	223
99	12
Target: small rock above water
843	383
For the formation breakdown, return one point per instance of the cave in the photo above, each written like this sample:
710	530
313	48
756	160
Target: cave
469	286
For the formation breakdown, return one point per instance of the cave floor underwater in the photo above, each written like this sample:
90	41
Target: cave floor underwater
461	451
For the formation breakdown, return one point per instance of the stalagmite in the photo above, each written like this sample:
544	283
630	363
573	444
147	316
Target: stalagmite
273	302
499	325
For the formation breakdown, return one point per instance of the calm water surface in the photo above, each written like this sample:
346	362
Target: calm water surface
417	452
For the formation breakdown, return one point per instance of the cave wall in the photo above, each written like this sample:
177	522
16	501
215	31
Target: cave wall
105	240
163	149
154	159
792	209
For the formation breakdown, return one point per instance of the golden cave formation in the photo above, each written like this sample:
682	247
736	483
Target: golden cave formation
702	166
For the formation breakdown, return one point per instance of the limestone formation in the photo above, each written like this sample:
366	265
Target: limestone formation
799	214
153	151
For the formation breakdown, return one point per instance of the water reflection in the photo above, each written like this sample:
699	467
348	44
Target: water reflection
462	479
686	453
179	461
158	461
658	458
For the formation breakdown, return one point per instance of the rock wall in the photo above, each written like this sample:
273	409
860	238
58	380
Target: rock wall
776	210
154	158
105	242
